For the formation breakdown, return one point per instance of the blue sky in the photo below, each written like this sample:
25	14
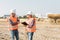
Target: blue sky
36	6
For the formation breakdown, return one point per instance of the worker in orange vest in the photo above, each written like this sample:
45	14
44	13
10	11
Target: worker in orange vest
31	27
13	25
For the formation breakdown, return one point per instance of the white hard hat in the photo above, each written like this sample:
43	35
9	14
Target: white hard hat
13	11
29	13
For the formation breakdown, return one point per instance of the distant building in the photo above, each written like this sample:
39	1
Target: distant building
41	15
6	16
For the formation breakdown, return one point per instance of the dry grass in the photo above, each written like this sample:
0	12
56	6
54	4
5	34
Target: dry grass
44	31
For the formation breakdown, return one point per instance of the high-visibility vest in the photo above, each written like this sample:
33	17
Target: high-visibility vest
14	19
33	29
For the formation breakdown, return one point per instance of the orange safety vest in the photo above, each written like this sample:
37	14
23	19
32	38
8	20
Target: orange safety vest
13	27
33	29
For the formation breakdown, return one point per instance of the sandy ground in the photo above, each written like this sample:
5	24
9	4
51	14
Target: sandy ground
44	31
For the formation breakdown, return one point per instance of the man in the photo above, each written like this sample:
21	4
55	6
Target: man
31	27
13	25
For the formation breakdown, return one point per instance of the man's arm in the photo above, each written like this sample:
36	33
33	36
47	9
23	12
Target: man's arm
18	21
31	24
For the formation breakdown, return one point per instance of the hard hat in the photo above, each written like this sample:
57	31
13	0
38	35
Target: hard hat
29	13
13	11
